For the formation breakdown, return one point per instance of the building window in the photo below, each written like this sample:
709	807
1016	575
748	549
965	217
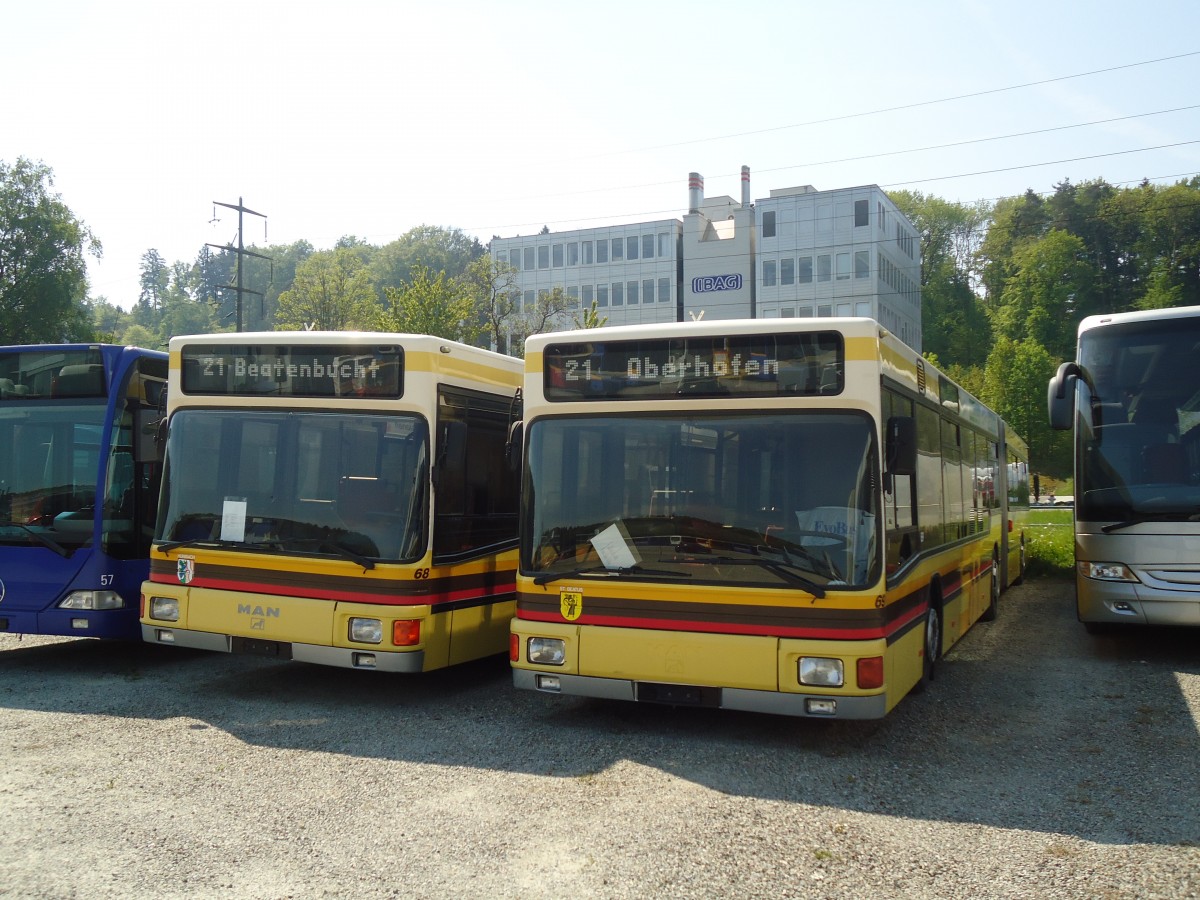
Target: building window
787	271
514	259
528	300
647	290
602	295
618	247
543	256
528	259
861	213
557	255
768	228
787	312
863	308
824	267
862	263
664	246
804	270
664	290
843	266
587	296
824	311
647	246
573	293
768	273
587	253
631	247
618	294
824	218
572	254
805	312
601	252
631	293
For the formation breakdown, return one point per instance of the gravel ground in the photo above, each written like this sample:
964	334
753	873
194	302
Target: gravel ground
1041	763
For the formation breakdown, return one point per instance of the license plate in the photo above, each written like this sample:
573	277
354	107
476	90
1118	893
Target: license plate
257	647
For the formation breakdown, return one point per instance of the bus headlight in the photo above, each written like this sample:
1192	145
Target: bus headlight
817	670
1106	571
366	631
93	600
547	651
165	609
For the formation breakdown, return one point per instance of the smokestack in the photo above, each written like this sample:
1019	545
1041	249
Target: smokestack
745	187
695	191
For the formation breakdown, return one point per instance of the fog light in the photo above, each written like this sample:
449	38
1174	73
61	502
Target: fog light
93	600
165	609
79	623
1106	571
821	671
406	632
366	631
549	683
364	660
165	636
820	707
547	651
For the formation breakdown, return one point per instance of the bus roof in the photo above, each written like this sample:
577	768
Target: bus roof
1146	315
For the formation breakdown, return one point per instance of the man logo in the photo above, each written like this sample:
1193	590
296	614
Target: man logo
570	604
186	569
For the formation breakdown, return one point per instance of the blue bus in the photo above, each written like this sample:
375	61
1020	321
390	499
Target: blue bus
79	478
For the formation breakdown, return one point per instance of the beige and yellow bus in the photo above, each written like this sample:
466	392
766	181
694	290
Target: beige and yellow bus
337	498
794	517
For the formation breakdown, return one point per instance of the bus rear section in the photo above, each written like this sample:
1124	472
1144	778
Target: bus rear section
1132	397
724	515
339	499
78	486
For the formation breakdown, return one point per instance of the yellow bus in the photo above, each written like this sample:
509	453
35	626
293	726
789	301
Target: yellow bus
337	498
793	517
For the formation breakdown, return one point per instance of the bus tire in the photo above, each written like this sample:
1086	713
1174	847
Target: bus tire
1020	579
989	614
932	648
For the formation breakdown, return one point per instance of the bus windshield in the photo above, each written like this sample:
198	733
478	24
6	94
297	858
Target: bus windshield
786	499
298	483
1139	444
49	462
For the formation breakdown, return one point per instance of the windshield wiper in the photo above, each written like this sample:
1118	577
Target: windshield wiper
781	567
547	577
41	538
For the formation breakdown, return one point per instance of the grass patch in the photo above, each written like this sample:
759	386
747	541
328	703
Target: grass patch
1050	542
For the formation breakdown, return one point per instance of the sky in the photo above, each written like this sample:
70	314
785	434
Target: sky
372	118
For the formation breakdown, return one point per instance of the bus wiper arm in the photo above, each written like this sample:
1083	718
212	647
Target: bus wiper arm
43	539
547	577
780	567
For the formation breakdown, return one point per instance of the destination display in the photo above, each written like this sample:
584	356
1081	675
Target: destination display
812	363
300	370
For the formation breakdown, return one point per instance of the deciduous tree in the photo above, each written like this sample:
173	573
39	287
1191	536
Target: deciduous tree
43	269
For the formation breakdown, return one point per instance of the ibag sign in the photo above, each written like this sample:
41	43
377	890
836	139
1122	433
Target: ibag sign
706	283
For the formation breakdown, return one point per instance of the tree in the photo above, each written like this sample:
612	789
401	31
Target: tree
491	286
331	292
953	320
429	304
43	269
590	318
547	311
1015	387
1041	298
437	249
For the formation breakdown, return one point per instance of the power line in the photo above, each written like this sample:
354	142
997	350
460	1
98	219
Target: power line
918	104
